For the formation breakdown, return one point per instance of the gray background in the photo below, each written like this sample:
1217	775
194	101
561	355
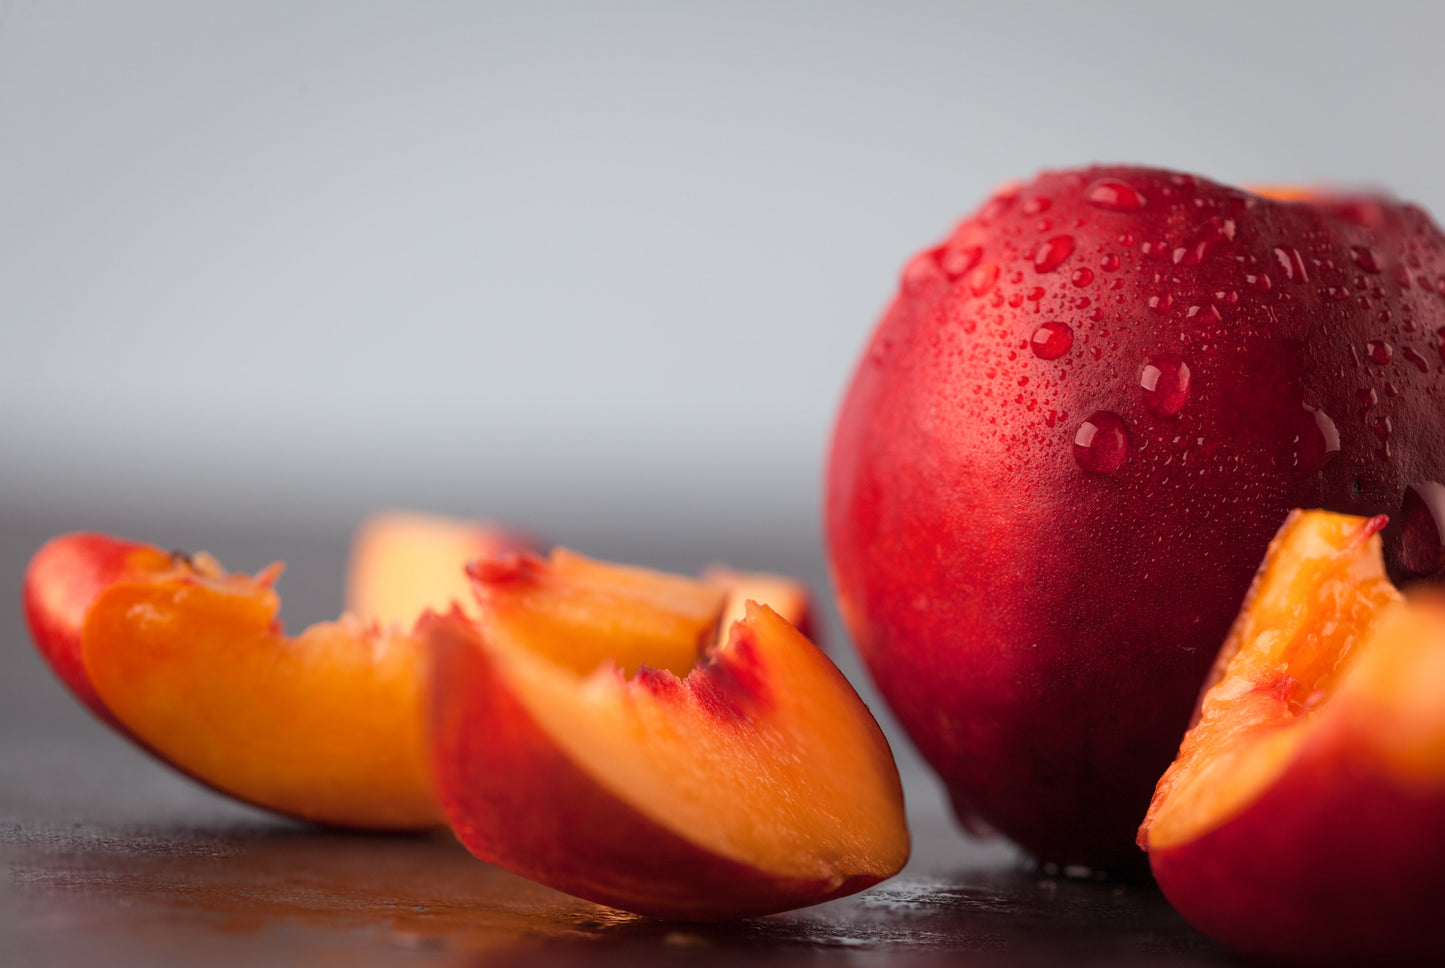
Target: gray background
550	261
599	270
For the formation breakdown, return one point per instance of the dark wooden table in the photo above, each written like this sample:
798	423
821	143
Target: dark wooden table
112	859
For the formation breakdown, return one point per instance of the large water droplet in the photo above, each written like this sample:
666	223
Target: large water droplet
1052	340
1380	351
1101	443
1114	195
1422	528
1292	263
1051	254
1318	441
1165	380
1212	232
1082	277
1366	258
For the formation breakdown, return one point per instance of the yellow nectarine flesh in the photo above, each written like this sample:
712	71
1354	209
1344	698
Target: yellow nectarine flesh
326	726
1319	595
580	612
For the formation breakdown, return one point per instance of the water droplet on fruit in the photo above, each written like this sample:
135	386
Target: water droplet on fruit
1082	277
1101	443
1383	427
920	271
1367	397
1211	233
1052	253
1165	380
1422	528
1110	262
1037	205
1052	340
1292	263
957	261
1318	441
1413	355
1162	303
982	279
1114	195
1259	281
1380	351
1365	258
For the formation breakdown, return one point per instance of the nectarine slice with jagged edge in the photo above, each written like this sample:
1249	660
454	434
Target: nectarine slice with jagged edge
748	780
405	562
326	726
1304	819
62	581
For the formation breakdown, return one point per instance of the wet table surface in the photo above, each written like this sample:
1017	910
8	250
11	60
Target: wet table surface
113	859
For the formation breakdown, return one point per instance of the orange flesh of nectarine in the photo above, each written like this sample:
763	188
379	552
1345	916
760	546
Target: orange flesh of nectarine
676	748
1304	651
326	726
581	613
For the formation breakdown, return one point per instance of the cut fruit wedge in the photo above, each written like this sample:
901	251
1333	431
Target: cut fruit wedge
628	755
405	562
191	663
1304	819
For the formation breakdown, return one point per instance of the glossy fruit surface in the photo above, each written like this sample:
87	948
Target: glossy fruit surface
1069	442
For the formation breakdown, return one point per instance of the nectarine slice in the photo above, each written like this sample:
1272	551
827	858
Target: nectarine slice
747	779
326	726
405	562
1304	819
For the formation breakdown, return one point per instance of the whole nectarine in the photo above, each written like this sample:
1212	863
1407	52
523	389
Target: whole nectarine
1069	442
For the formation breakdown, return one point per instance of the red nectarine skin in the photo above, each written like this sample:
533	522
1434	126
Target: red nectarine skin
1069	442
